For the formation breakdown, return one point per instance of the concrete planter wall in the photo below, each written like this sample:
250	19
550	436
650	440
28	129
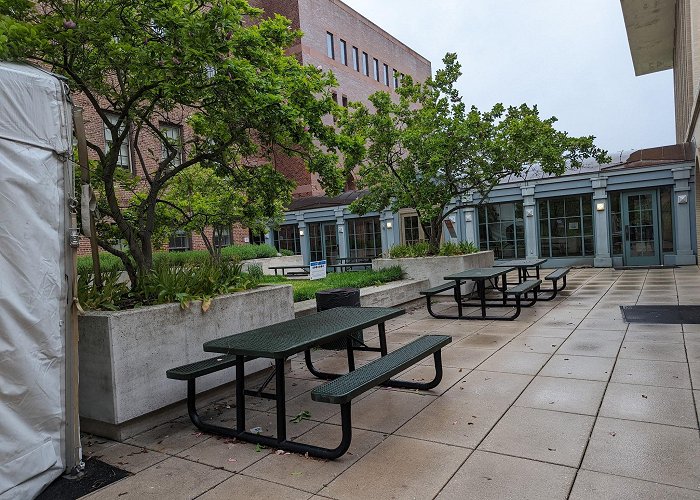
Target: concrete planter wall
292	260
390	294
434	269
124	354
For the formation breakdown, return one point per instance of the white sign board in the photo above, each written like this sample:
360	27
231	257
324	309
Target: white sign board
317	270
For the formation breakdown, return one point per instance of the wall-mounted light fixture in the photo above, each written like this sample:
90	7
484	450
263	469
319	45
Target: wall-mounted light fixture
301	232
600	206
529	212
340	229
468	217
389	224
682	199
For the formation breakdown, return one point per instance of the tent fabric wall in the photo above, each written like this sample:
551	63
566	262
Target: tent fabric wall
35	144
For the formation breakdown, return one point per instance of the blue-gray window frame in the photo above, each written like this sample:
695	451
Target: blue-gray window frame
581	218
519	244
375	235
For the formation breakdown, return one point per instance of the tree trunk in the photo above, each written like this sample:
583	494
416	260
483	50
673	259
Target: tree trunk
433	231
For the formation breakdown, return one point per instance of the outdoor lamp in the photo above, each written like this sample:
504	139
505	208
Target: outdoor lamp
301	232
600	206
389	224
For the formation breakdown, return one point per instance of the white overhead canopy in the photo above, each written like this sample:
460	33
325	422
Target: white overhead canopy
650	32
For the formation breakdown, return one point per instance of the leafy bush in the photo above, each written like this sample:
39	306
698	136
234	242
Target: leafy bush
109	262
255	272
286	253
166	283
306	289
422	249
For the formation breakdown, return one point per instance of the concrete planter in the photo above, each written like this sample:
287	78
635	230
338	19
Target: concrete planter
124	354
390	294
434	269
291	260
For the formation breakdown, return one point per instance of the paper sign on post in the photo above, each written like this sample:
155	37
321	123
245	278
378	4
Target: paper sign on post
317	270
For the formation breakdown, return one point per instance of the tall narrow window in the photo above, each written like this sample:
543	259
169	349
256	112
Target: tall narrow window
411	230
124	156
355	59
364	238
396	79
222	236
376	69
345	101
287	238
365	64
180	241
330	46
343	52
386	75
173	136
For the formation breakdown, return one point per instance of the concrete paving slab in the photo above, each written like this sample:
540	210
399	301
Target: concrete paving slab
399	458
465	414
531	343
483	340
563	394
311	474
242	486
581	367
650	372
461	357
225	453
657	351
547	436
386	410
492	476
526	363
425	373
130	458
652	452
590	485
661	405
580	346
173	478
170	438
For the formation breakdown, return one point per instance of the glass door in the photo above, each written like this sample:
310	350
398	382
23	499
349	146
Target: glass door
323	241
640	229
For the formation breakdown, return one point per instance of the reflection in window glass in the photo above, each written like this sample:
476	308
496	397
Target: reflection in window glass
364	237
666	197
287	238
411	230
502	229
566	226
616	223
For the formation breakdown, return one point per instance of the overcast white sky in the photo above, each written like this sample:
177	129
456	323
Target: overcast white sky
570	57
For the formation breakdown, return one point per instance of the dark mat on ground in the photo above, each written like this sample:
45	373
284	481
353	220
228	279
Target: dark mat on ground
97	475
661	314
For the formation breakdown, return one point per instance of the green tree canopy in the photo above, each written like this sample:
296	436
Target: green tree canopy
215	64
427	150
200	199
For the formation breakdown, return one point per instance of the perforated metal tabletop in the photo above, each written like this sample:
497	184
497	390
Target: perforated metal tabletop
284	339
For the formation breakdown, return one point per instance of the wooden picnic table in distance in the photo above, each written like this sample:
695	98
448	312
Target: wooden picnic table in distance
523	265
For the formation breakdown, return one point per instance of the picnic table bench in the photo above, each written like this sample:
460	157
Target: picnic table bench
301	270
281	340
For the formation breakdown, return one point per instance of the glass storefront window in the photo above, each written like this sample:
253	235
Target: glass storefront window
364	237
502	229
566	226
411	230
616	223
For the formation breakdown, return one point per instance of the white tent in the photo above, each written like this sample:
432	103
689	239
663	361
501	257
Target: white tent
38	429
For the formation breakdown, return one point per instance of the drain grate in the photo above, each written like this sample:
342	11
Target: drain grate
661	314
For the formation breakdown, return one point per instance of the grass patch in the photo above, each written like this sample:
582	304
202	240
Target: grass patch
305	289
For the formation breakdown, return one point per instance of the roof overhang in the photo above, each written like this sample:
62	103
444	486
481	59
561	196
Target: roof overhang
650	28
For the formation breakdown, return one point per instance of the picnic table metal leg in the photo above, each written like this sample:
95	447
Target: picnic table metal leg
351	355
481	289
382	339
458	298
240	393
281	403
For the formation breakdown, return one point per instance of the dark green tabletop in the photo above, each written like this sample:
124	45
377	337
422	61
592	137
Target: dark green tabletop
521	263
281	340
479	273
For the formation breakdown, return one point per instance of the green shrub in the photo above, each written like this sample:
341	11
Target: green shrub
306	289
422	249
255	272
